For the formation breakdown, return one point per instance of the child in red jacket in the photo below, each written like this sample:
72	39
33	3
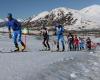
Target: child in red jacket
76	43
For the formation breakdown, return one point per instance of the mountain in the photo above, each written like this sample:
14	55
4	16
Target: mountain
20	20
91	17
58	14
1	20
86	18
41	15
93	10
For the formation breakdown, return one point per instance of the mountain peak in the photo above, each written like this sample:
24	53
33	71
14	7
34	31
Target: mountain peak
41	15
60	8
95	5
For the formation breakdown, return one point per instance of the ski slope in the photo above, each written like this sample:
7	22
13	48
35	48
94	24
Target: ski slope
37	65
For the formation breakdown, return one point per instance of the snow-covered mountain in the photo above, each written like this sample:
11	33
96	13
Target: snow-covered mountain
91	17
20	20
59	14
1	20
93	10
86	18
41	15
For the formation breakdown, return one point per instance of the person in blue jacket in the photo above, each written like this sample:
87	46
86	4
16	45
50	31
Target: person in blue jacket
17	33
60	37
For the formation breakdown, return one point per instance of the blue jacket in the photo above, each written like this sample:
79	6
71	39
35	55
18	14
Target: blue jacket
14	25
59	30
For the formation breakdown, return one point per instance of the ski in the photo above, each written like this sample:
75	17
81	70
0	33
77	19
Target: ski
44	50
18	51
58	51
12	51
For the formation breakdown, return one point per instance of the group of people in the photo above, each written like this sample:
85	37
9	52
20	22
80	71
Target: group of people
74	43
59	30
78	43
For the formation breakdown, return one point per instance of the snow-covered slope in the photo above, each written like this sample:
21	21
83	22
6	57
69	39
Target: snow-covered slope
20	20
58	12
41	15
46	65
91	17
1	20
93	10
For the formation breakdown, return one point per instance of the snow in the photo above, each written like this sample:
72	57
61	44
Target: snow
57	11
4	29
96	40
88	17
20	20
47	65
93	10
1	20
41	15
81	67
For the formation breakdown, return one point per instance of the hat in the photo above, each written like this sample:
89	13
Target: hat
9	15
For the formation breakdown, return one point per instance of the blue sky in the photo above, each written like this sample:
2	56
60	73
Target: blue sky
26	8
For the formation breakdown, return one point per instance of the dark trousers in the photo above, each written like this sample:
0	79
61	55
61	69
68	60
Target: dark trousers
46	43
71	46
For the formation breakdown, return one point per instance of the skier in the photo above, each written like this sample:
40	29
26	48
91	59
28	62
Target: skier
17	33
45	38
81	43
59	34
76	43
88	43
70	38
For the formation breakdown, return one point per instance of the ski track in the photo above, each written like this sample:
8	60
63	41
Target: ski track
44	65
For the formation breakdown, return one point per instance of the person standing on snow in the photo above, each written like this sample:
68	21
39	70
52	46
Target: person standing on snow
45	34
76	43
59	35
70	38
81	43
88	43
17	33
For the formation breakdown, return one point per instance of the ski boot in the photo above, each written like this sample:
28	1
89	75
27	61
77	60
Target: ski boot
57	47
23	46
16	50
63	48
48	49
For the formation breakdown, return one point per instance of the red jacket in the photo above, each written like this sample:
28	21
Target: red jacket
76	41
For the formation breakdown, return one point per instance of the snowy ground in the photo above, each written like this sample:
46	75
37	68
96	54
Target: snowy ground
36	65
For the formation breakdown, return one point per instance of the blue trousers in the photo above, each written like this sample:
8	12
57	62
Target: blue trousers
17	36
60	38
81	45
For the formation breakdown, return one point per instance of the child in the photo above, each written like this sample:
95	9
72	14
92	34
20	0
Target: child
70	38
76	43
88	43
81	43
